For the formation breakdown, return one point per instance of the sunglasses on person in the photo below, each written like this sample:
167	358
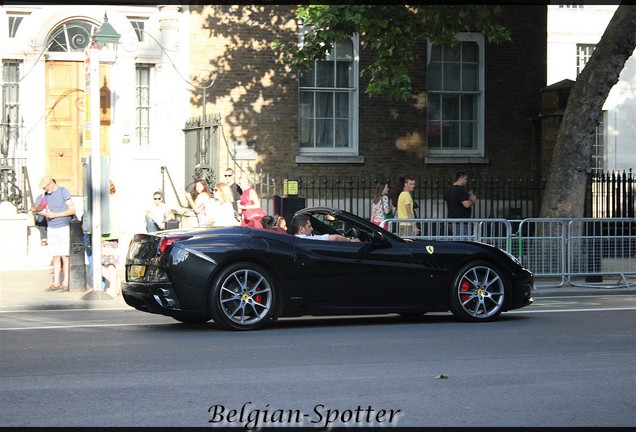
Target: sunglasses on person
157	198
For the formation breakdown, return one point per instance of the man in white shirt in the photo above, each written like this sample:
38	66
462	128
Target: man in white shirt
157	214
301	226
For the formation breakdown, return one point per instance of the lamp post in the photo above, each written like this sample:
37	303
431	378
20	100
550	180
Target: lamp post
104	36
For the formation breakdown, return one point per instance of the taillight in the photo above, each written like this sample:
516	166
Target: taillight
168	240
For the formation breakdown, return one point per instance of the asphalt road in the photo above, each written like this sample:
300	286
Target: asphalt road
564	361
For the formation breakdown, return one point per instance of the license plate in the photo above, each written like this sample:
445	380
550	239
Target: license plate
137	271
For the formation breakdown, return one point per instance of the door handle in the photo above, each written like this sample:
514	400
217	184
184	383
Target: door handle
61	154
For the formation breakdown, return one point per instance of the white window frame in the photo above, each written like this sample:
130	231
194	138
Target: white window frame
139	26
583	54
10	110
448	155
143	111
333	154
599	150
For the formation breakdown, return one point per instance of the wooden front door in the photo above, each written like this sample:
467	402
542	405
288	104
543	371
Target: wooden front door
66	119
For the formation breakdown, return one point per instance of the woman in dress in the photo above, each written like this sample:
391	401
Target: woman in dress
224	214
201	202
382	208
249	205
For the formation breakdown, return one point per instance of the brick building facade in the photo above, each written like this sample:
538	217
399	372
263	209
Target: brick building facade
257	98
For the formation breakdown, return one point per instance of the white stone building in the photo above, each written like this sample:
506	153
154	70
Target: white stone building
144	91
573	31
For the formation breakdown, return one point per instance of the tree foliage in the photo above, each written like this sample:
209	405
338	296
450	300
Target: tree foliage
390	31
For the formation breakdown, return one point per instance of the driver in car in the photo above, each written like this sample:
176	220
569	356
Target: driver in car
301	226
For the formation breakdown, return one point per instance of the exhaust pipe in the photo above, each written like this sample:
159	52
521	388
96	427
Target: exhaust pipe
162	296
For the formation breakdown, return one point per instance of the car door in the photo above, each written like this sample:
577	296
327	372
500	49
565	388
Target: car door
351	275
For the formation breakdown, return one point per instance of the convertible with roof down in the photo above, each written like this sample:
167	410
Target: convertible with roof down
242	278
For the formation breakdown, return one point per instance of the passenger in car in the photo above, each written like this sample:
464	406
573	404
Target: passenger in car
274	223
301	226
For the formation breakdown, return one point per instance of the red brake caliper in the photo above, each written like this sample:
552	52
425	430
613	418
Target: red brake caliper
464	286
258	297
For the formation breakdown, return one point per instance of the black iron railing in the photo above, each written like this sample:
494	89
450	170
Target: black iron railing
498	198
613	194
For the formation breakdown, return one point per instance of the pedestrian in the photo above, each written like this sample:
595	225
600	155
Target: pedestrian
250	205
459	202
398	187
382	208
59	211
405	208
234	187
39	219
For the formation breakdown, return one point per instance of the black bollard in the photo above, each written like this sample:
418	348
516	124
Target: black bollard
594	250
76	257
288	206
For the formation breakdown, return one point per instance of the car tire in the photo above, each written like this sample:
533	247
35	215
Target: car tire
242	297
478	292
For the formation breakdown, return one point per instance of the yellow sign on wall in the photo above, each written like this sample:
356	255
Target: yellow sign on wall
292	187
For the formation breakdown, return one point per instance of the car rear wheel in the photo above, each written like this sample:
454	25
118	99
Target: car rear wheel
243	297
478	292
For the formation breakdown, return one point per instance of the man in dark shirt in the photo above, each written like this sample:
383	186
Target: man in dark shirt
459	201
234	187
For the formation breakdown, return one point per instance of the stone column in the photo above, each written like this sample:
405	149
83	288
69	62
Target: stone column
169	27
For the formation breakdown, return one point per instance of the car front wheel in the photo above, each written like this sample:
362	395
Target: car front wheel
242	297
478	292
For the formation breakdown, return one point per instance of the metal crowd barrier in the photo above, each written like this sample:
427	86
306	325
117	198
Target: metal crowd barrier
584	251
601	247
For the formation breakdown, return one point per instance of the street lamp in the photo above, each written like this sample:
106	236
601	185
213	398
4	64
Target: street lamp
105	36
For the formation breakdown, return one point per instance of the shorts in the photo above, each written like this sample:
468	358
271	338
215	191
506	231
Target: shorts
59	240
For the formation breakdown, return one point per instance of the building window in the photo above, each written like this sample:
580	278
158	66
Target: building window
598	151
455	109
139	25
71	36
142	104
583	54
14	23
328	103
9	124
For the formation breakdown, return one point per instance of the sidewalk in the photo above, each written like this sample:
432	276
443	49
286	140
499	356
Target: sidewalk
24	289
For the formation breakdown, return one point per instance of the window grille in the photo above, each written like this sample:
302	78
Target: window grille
328	102
9	123
583	54
142	87
455	98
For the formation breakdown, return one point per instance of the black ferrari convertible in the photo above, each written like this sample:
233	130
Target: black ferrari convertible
244	277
